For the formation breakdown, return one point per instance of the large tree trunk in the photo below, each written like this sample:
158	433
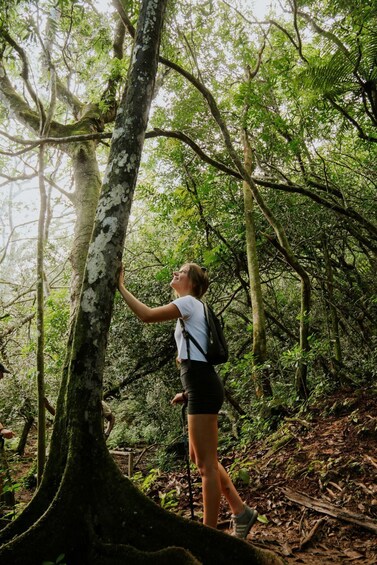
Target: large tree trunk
84	508
87	189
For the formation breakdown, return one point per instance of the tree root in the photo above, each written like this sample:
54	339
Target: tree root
108	554
110	522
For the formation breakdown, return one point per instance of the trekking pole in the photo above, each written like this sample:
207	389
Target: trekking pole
187	457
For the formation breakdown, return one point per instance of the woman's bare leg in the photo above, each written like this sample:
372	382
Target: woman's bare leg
203	451
230	492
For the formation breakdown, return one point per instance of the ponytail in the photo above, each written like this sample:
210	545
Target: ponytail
199	279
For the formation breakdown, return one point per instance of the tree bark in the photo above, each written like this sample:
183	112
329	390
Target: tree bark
87	188
334	320
41	452
301	385
260	371
24	434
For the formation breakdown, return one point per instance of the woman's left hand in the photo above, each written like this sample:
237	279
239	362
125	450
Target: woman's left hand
7	434
179	398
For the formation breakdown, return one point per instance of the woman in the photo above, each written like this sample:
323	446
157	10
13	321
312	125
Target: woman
203	391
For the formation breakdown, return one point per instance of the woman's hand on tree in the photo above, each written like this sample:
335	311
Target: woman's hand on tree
121	277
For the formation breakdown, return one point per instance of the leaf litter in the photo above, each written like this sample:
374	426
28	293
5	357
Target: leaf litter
330	455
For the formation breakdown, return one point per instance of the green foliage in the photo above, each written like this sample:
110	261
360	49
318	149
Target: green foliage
9	485
322	176
146	483
292	357
243	477
168	500
56	323
30	480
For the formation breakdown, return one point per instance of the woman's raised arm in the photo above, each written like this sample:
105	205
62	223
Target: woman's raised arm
144	312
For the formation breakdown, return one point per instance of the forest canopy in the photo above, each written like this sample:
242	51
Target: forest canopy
300	83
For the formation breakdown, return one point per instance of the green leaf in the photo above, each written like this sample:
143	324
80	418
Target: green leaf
243	476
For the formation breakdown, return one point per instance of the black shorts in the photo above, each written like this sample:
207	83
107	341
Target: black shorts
203	386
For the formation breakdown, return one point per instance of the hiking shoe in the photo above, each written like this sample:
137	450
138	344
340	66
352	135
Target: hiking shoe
242	523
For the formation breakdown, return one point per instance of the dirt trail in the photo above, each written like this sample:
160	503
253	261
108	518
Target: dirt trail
329	454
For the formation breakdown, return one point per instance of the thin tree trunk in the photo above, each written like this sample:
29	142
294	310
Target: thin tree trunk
301	374
24	434
41	454
334	320
302	368
259	371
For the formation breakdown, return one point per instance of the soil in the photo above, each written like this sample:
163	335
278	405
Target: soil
329	454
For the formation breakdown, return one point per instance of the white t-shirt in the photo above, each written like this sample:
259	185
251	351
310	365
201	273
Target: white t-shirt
192	313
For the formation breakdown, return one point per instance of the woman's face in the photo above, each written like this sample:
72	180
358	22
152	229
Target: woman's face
181	282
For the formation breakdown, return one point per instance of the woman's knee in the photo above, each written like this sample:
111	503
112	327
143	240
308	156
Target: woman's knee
207	467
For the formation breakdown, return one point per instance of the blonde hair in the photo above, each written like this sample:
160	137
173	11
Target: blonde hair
199	279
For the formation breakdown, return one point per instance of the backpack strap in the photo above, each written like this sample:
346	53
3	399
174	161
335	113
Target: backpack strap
188	337
206	315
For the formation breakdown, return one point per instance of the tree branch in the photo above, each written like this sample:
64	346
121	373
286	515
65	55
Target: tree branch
5	248
16	103
325	507
108	97
347	212
195	147
25	73
328	34
348	117
124	17
299	44
16	326
66	96
276	24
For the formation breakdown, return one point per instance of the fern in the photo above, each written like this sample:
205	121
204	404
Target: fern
339	72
